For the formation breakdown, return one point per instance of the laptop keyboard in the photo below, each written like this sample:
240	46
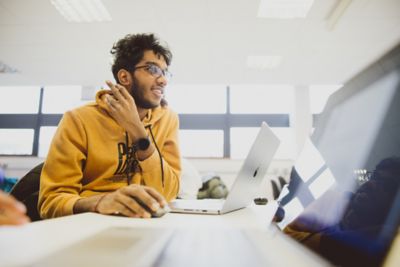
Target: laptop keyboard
209	247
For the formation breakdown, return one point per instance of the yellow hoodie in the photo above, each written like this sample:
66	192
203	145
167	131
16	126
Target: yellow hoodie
88	156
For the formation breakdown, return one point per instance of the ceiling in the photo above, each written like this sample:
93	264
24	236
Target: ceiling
210	40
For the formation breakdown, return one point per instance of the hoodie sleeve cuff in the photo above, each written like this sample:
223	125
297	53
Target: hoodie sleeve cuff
68	208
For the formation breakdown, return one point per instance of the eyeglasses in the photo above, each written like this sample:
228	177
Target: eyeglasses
155	71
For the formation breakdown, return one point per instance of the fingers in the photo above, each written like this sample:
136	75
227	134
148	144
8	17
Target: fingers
111	102
132	201
119	92
157	196
8	217
125	93
6	199
114	89
10	203
141	195
132	208
12	212
120	99
124	202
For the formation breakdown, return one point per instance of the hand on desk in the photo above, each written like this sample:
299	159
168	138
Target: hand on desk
12	212
132	201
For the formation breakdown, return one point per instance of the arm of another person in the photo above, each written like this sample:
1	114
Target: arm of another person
12	212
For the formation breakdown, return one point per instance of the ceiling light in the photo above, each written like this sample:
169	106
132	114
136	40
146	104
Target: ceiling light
263	62
4	68
337	13
82	10
284	9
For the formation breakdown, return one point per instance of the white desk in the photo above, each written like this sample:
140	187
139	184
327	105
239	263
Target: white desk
22	246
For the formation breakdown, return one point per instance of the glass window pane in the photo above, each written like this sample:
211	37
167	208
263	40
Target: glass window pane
242	138
241	141
16	141
261	99
59	99
319	94
201	143
322	183
46	135
19	99
309	161
287	148
190	99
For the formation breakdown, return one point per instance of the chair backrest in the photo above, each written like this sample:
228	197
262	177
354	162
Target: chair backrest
26	190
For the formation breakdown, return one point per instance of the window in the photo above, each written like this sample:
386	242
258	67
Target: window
16	141
200	99
242	138
203	109
19	100
309	161
59	99
201	143
241	141
261	99
287	148
46	136
323	182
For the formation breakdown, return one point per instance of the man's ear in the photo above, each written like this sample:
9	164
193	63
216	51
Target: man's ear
124	77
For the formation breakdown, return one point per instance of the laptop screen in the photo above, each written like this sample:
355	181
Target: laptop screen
344	199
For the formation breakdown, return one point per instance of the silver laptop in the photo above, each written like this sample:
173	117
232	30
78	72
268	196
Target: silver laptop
247	181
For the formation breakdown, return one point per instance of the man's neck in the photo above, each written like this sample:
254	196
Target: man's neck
142	113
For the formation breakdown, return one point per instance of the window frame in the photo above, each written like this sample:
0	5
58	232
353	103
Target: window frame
187	122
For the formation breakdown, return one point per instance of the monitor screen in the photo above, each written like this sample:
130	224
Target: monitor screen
344	200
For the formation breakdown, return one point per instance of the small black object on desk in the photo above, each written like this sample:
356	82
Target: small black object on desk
261	201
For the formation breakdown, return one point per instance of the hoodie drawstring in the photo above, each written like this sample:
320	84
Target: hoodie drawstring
159	154
130	159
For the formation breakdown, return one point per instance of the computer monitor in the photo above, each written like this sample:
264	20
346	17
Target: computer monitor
344	187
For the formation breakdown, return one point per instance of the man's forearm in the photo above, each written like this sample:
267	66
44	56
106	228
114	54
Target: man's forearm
87	204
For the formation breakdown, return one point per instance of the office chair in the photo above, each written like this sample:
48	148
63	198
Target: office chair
26	190
275	189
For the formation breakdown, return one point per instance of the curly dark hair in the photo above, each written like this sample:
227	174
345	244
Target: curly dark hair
128	51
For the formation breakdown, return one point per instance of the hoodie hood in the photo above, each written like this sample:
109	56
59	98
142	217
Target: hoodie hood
100	100
153	115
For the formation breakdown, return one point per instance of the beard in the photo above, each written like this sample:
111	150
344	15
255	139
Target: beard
137	92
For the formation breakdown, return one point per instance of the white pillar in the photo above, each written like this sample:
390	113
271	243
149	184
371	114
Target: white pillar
301	117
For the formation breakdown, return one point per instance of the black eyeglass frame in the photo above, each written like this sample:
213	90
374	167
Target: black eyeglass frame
155	71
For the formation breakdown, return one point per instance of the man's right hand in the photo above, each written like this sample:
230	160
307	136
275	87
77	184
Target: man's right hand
131	201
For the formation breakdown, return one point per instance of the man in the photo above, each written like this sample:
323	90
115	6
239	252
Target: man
12	212
119	155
